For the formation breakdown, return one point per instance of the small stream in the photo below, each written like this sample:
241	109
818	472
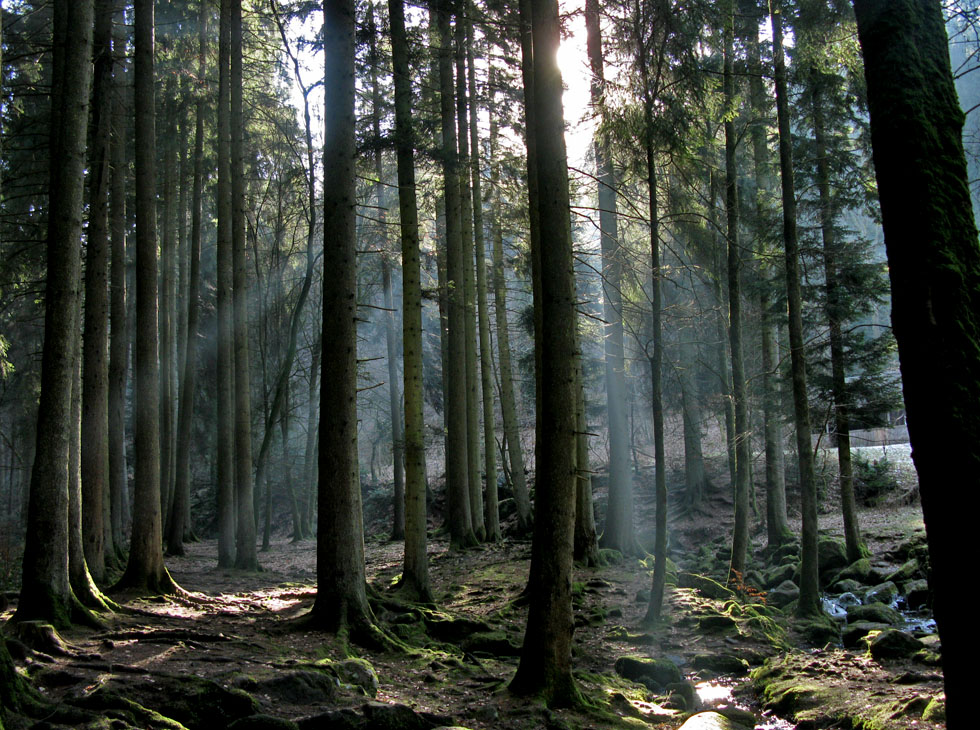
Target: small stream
918	622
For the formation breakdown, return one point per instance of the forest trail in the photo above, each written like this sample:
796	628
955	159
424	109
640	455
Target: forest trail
233	629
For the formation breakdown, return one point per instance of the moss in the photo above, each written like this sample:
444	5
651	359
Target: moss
935	711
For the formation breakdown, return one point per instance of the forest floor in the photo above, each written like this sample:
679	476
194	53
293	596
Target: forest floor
234	628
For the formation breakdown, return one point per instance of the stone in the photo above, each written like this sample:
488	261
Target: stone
854	633
706	586
783	594
345	719
263	722
936	710
877	612
885	593
859	570
847	586
358	673
660	671
775	576
720	664
819	631
717	622
917	593
685	691
909	570
302	687
393	716
831	554
711	721
893	644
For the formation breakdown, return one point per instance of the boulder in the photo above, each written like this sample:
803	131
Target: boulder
854	633
831	554
917	593
708	587
358	673
847	585
783	594
683	696
720	664
775	576
711	721
885	593
893	644
936	710
910	570
717	622
877	612
660	671
302	687
345	719
393	716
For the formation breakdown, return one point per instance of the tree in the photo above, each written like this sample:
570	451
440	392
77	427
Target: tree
145	570
341	602
415	575
545	667
934	266
45	591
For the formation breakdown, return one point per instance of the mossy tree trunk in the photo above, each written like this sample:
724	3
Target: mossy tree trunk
934	266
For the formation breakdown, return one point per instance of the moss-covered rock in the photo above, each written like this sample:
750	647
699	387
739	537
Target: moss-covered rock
831	554
876	612
494	643
712	721
354	672
853	634
720	664
717	623
783	594
885	593
935	711
893	644
661	671
859	570
917	593
818	631
301	687
393	716
708	587
910	570
682	696
776	575
847	585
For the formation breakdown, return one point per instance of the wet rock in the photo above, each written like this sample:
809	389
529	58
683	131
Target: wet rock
660	671
885	593
263	722
720	664
917	593
847	586
876	612
783	594
894	644
712	721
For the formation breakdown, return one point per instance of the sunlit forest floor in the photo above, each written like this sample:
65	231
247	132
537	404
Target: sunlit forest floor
226	652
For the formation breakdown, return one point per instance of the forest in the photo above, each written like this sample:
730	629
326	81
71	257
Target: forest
472	364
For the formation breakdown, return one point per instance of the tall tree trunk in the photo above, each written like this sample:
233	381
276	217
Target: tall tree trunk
777	526
491	510
188	382
508	405
545	666
341	602
618	530
835	314
461	527
45	591
227	516
95	401
586	545
165	312
743	455
145	570
934	266
119	333
695	479
809	602
469	285
245	553
415	574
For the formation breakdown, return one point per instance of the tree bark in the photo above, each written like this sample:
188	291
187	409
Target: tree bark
809	602
545	666
415	573
45	590
934	266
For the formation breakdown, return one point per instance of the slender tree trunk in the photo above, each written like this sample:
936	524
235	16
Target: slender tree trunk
245	557
618	531
743	454
227	516
45	590
309	461
508	405
809	602
95	401
145	570
185	410
834	311
491	510
461	528
469	285
934	267
341	603
695	480
586	545
166	309
545	666
415	574
119	333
